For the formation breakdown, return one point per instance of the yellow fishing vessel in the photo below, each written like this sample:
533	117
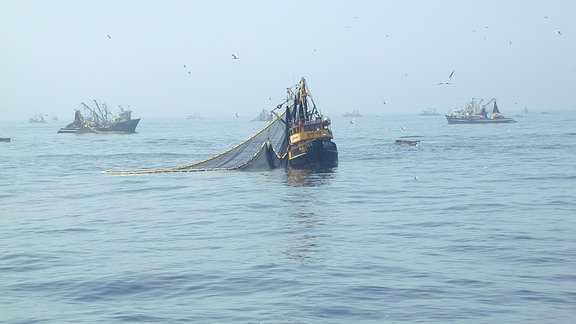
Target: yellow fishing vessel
310	143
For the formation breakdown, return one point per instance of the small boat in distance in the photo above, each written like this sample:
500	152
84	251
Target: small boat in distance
308	131
4	139
524	112
101	121
476	113
264	115
354	113
37	119
429	112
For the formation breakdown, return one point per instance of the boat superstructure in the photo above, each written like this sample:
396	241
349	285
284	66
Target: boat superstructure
309	135
476	113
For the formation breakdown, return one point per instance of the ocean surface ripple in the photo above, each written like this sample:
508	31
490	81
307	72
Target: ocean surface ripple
475	225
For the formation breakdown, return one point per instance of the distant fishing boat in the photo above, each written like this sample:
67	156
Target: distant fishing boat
310	143
4	139
476	113
264	115
100	120
429	112
37	119
524	112
354	113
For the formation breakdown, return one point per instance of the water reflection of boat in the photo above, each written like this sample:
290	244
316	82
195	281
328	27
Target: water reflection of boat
308	178
476	113
101	120
310	143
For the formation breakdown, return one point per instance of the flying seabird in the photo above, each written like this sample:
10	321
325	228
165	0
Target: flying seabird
449	81
558	32
234	57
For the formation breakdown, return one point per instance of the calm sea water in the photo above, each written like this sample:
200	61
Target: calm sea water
475	225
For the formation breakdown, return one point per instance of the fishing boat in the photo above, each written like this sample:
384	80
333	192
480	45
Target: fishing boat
298	139
354	113
37	119
524	112
308	131
476	113
4	139
264	115
429	112
100	120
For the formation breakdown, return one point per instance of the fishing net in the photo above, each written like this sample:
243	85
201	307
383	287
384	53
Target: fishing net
262	151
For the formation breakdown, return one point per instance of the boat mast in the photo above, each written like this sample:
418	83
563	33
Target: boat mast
94	114
101	116
290	104
301	102
308	95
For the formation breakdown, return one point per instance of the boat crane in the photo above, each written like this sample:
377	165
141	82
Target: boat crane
489	102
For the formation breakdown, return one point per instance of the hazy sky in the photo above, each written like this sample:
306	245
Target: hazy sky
354	55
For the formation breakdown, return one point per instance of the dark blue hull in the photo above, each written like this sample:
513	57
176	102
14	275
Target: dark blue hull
316	154
478	120
125	127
